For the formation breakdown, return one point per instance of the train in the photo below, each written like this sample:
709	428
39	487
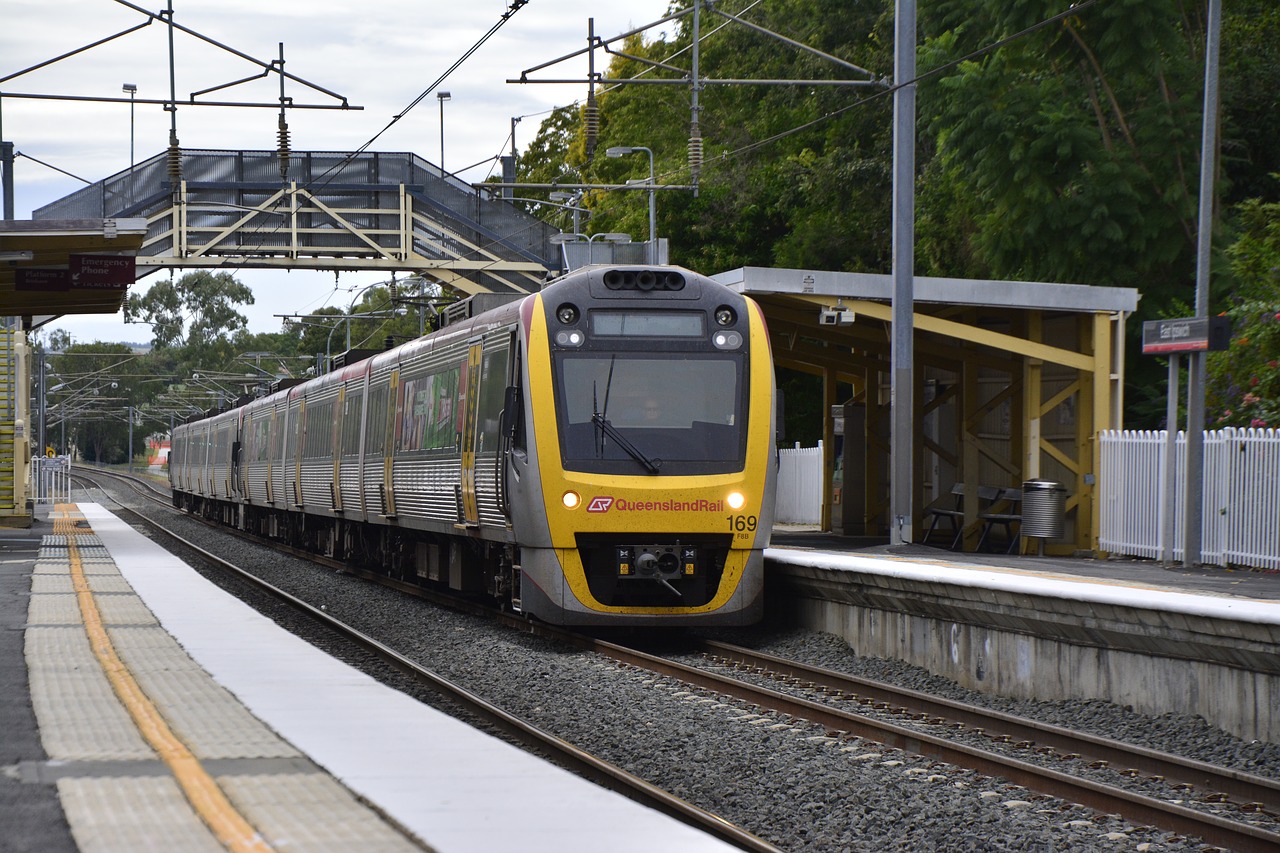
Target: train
600	452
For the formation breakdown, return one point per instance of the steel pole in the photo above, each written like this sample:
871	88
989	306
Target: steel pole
1196	373
901	386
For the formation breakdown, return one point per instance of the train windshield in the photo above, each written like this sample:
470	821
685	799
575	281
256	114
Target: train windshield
634	413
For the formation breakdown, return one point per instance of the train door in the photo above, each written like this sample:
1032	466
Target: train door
470	439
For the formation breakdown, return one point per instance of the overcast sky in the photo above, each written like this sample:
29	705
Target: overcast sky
378	55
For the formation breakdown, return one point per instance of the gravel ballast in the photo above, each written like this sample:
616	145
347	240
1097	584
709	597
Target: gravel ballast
783	779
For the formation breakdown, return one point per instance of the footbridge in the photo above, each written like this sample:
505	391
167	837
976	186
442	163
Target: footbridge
331	211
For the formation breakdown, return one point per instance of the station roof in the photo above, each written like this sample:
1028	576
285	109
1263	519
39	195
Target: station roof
1043	296
41	263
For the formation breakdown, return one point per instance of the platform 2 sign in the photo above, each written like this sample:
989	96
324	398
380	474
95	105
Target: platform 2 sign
1192	334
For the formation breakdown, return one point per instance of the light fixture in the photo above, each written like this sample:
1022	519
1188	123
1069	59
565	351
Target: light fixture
21	255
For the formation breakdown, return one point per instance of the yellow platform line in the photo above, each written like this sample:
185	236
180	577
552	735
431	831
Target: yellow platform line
204	794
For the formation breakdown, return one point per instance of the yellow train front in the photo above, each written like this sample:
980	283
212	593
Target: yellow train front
640	477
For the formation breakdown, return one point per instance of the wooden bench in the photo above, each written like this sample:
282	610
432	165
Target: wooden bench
1010	500
955	515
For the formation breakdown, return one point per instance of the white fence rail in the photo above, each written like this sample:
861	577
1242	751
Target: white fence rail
51	479
1241	524
799	485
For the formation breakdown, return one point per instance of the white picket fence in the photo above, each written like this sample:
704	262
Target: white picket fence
1241	523
799	485
51	479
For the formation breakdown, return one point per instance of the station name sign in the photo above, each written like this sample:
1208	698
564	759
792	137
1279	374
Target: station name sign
1192	334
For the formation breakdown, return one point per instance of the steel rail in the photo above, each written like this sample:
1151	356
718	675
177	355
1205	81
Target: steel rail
1136	808
1243	787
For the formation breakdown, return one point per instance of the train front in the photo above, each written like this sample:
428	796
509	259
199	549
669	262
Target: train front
649	477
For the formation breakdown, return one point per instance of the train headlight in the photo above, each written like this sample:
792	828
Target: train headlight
571	500
726	340
567	314
725	316
570	338
736	500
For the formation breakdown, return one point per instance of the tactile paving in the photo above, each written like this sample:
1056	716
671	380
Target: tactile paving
208	719
127	815
79	714
287	805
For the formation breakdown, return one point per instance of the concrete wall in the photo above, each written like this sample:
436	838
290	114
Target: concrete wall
1040	647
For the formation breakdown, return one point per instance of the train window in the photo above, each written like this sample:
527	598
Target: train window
430	410
350	439
376	433
687	410
493	385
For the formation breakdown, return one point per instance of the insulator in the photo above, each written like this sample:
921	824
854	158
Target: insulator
175	164
591	120
392	288
695	156
283	146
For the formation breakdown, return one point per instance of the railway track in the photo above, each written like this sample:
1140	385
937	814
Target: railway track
1231	806
528	735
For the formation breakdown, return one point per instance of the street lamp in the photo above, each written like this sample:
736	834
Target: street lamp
572	202
606	236
442	97
132	90
622	151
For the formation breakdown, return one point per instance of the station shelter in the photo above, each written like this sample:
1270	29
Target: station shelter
1013	382
48	269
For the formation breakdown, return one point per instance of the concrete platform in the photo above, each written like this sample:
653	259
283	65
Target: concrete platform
163	714
1200	641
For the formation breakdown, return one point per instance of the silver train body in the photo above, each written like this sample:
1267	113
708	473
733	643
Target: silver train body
601	452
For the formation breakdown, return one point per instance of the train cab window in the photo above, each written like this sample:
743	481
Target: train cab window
686	410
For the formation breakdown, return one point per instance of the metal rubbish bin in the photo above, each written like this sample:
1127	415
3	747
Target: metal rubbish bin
1044	509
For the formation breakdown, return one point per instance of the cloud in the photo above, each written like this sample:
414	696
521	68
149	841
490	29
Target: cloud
380	56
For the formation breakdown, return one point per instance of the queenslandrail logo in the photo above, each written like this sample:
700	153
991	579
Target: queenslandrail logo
601	503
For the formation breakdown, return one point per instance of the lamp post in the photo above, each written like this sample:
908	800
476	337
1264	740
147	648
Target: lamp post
571	201
623	150
132	90
606	236
442	97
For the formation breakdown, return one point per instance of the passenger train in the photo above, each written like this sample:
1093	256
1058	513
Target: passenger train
598	453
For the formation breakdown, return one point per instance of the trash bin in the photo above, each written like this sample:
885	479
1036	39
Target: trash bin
1044	509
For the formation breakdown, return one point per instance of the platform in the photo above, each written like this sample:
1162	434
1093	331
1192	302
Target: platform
165	714
1200	641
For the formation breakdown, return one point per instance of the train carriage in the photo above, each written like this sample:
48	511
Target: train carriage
601	452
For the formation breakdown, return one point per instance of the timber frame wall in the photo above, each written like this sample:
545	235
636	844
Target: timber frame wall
1013	381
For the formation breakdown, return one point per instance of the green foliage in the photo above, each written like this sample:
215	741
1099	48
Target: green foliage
198	312
1244	381
1075	146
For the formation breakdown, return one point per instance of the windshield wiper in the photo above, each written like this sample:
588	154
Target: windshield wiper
651	464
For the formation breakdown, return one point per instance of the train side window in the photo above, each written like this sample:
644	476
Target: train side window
493	383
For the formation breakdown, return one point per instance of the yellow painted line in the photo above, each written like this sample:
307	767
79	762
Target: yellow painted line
204	794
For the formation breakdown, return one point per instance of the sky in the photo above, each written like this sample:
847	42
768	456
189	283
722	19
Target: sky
381	60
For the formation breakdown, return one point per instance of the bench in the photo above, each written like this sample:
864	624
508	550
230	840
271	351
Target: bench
1010	499
955	515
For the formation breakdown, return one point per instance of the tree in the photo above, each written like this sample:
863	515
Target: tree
94	389
1077	143
1244	381
199	312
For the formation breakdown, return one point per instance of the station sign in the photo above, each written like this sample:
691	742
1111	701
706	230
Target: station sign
41	280
106	272
1191	334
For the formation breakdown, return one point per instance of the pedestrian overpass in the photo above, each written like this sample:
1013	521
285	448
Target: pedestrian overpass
391	212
